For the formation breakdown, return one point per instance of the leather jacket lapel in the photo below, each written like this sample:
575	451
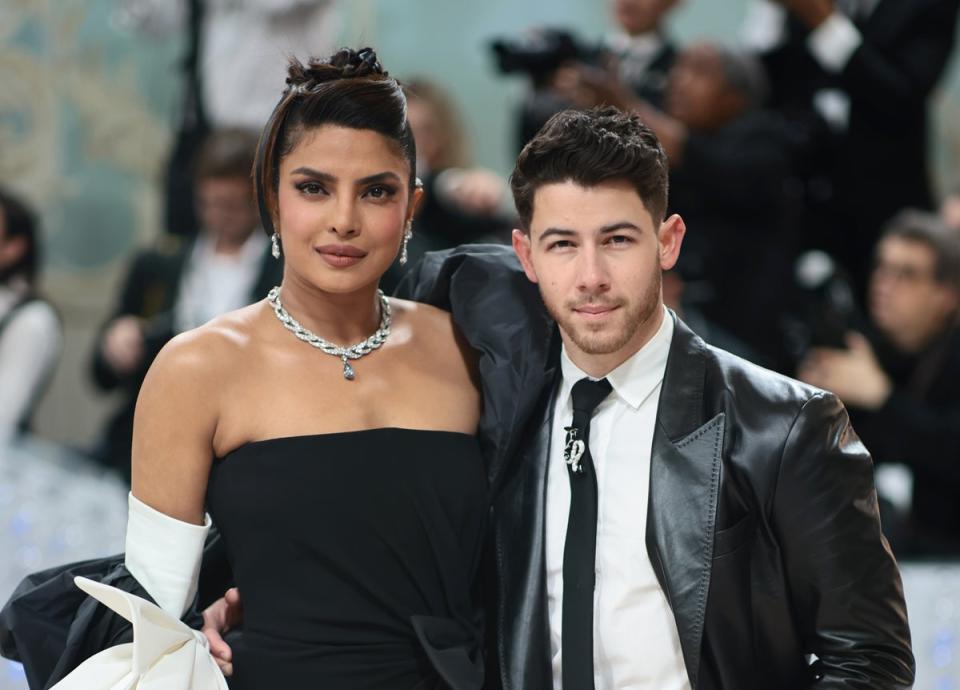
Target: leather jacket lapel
685	473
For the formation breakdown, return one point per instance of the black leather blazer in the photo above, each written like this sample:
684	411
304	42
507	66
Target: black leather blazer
763	526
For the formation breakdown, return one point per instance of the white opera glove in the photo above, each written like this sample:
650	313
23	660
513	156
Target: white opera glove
165	654
164	555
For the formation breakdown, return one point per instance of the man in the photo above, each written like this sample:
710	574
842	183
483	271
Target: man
734	174
900	384
180	286
868	67
641	54
732	163
708	524
636	59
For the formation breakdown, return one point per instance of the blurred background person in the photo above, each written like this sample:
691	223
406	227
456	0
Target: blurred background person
950	209
643	50
234	52
899	378
733	171
867	68
462	203
638	55
183	284
31	337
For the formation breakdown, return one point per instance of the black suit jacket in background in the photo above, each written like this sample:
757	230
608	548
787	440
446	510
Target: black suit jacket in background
150	292
881	164
919	426
762	528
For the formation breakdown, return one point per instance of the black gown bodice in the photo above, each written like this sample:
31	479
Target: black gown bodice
356	555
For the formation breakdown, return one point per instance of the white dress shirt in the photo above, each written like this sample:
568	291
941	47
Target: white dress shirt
244	47
636	644
30	346
213	284
636	54
832	44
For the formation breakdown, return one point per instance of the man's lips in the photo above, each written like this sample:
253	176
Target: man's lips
595	311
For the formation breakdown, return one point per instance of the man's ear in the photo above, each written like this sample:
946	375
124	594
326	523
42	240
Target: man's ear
670	237
523	249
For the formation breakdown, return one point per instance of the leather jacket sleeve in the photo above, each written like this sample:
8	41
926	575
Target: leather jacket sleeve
844	583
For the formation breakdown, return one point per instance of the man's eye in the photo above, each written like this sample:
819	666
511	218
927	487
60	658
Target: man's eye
561	244
620	239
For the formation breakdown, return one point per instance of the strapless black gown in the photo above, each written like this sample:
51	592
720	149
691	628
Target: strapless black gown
357	556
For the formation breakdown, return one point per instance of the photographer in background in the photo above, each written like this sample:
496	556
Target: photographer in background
900	384
637	58
182	285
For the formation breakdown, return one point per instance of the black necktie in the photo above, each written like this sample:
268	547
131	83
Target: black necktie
580	549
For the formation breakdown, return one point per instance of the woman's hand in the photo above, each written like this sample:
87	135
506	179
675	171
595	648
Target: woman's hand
218	618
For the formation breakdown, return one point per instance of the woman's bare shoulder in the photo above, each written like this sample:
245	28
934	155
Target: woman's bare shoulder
179	409
436	336
211	349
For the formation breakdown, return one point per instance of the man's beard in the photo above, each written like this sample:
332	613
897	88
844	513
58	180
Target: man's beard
616	336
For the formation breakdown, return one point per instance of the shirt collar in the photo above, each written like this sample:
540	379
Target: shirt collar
643	47
635	379
249	255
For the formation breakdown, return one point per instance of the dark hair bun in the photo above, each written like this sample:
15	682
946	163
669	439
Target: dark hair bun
346	63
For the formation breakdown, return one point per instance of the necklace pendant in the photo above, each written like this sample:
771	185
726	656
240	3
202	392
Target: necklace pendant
348	372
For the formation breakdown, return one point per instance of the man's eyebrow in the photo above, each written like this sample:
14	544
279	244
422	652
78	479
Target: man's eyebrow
619	225
603	230
556	232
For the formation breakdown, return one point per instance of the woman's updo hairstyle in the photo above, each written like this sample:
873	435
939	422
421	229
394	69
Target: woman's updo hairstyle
351	89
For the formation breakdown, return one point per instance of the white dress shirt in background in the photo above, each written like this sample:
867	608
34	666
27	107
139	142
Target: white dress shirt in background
831	44
30	346
213	284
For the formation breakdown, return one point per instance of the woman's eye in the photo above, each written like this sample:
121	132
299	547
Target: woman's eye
310	188
381	192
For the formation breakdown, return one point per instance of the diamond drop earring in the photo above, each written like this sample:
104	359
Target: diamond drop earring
407	234
275	241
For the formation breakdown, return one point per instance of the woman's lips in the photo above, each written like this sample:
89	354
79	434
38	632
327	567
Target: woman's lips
340	255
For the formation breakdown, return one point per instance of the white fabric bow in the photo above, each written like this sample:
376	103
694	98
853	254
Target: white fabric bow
164	653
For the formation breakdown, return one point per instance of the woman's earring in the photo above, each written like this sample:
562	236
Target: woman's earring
407	234
275	240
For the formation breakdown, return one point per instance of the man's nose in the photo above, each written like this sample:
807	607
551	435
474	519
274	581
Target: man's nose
593	274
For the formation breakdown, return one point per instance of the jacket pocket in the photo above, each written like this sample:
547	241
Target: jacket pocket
730	539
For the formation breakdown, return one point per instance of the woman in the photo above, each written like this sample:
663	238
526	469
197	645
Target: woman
30	333
346	481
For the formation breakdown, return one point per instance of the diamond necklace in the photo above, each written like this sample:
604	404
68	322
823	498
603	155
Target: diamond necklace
344	353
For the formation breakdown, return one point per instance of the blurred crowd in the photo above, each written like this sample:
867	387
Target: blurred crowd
799	161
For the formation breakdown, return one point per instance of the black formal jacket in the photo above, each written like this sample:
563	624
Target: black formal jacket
881	163
919	426
762	528
150	292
